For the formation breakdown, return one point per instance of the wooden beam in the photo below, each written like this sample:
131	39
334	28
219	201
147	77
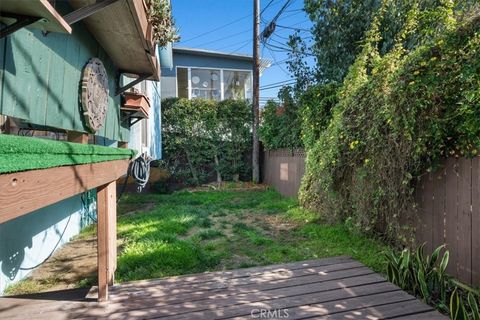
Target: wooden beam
140	78
24	192
51	20
87	11
78	137
20	23
106	235
123	144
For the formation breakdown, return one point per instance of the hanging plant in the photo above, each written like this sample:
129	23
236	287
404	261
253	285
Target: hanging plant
159	14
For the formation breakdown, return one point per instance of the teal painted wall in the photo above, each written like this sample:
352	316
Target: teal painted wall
40	82
28	240
40	79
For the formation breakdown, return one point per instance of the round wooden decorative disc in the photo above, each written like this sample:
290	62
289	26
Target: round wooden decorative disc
95	94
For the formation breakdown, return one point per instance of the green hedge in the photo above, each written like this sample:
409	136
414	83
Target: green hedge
205	141
297	121
397	115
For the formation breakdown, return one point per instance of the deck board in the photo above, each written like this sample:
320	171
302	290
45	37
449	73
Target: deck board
332	288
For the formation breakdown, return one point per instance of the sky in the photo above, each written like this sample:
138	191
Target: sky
227	26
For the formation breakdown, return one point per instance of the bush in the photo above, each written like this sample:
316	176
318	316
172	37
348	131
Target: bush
297	122
204	140
397	115
316	105
281	123
425	277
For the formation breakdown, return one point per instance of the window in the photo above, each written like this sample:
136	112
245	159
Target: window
182	82
237	85
215	84
206	84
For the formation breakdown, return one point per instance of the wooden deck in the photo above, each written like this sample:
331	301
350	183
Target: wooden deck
333	288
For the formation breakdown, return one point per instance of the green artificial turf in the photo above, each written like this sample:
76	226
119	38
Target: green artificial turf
26	153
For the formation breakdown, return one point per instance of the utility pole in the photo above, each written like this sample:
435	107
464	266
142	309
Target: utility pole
256	93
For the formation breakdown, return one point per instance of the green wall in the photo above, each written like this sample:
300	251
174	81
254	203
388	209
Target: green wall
40	79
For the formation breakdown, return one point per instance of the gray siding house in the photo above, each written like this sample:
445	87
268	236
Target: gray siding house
198	73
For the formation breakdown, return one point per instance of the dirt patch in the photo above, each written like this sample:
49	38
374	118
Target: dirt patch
72	266
126	209
230	186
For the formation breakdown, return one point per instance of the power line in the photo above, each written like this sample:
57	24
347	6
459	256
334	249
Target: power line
228	24
226	37
217	28
275	61
275	83
234	44
279	86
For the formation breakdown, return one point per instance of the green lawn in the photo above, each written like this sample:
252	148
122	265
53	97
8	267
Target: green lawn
190	232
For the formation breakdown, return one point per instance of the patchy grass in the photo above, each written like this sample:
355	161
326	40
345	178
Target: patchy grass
189	232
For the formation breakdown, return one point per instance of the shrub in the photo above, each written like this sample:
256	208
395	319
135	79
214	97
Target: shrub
281	122
425	277
316	105
204	140
397	115
297	122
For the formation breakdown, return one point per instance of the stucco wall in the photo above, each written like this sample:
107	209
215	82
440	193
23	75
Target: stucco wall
28	240
168	81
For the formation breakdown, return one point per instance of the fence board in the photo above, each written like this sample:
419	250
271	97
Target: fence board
438	237
451	181
476	221
283	169
465	221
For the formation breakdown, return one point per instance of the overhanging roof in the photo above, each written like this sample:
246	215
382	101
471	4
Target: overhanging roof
122	30
264	63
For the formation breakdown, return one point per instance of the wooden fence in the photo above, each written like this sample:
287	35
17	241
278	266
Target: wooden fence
449	213
448	206
283	169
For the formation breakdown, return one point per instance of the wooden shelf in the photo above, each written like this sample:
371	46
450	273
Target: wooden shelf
122	30
52	21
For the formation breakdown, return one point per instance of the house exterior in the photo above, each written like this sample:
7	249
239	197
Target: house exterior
198	73
57	60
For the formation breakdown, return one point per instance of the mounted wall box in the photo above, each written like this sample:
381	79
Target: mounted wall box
136	106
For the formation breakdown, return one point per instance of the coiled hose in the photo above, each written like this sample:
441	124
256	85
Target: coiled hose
139	169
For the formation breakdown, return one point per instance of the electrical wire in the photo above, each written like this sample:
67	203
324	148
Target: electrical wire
275	83
54	248
278	86
216	29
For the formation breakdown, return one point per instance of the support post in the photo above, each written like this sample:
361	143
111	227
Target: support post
106	237
256	93
78	137
123	144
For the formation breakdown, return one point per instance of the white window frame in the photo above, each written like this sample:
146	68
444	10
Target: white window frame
222	84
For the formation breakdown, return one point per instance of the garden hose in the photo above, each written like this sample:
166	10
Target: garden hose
139	169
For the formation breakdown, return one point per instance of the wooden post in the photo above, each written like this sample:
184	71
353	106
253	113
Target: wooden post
123	144
4	124
78	137
107	236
